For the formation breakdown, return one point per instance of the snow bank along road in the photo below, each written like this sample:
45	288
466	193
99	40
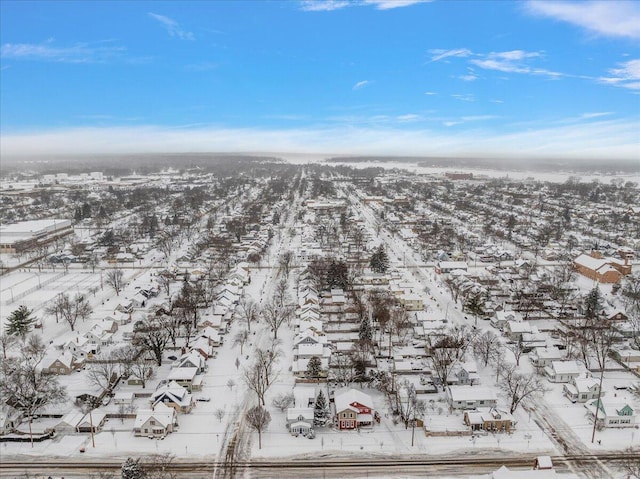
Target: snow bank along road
329	467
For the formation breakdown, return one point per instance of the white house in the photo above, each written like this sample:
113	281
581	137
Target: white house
581	389
564	371
471	397
156	422
611	413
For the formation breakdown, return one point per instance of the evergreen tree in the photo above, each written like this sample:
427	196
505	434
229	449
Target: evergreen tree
379	261
86	210
19	322
592	303
320	411
314	367
132	469
365	334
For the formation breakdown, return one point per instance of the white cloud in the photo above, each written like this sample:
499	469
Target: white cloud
469	77
588	116
514	61
408	117
389	4
596	139
47	51
361	84
323	5
607	18
172	27
439	54
430	93
330	5
627	75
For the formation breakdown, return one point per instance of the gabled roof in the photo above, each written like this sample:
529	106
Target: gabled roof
162	414
345	398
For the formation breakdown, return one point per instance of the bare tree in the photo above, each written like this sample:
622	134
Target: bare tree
518	386
631	464
285	262
256	381
219	413
258	418
275	316
517	348
268	358
240	339
231	383
164	279
73	309
630	293
7	341
54	308
115	279
104	372
447	350
249	311
281	292
283	401
158	466
341	370
486	346
24	386
152	337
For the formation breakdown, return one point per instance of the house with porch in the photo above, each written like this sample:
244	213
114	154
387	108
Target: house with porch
174	396
156	422
300	420
611	413
354	409
490	420
581	390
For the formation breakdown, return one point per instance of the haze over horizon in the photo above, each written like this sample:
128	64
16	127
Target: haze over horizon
529	79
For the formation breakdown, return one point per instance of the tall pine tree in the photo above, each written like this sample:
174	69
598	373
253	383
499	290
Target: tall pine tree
19	322
320	411
379	261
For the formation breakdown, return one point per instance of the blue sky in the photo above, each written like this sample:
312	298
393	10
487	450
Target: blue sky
530	78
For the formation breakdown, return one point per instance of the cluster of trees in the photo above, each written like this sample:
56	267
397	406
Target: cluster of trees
24	386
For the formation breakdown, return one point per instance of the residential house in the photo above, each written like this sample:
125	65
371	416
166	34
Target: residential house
445	267
542	357
94	420
300	420
471	397
156	422
489	419
581	389
466	374
175	396
515	330
191	359
611	413
69	422
9	419
202	347
603	270
61	364
354	409
564	371
499	320
187	377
